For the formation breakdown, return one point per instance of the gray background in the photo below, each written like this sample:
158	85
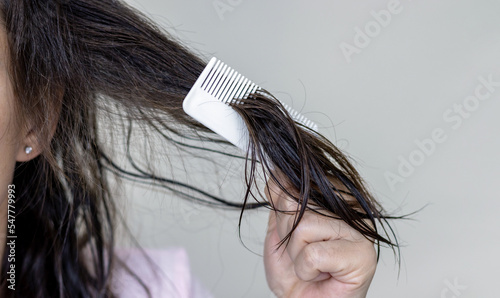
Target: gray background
396	91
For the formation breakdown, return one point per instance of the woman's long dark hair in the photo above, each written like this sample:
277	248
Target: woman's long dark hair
72	60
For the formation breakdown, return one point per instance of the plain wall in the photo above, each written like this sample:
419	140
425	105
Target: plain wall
393	104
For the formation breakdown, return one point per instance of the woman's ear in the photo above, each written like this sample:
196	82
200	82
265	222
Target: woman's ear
28	148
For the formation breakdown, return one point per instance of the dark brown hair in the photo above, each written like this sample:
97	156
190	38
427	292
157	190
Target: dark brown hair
73	60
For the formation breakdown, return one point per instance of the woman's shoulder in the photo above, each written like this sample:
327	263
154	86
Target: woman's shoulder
165	272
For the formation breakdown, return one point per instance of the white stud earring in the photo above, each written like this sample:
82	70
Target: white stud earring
28	149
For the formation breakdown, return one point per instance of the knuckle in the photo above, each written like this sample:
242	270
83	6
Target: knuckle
310	258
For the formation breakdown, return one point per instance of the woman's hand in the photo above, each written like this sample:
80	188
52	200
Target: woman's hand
325	257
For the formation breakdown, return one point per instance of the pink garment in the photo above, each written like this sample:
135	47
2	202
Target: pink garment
169	275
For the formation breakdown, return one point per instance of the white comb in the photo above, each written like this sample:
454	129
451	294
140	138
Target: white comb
209	98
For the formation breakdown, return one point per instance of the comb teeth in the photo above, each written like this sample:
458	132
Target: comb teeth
228	86
299	117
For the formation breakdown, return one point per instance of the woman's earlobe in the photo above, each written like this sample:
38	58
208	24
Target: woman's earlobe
26	153
27	149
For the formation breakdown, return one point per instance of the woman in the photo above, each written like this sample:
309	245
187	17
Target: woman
65	64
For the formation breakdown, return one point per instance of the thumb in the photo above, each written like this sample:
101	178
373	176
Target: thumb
278	265
272	238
